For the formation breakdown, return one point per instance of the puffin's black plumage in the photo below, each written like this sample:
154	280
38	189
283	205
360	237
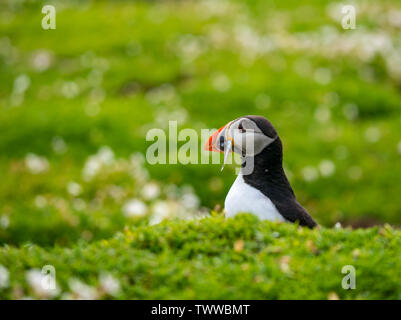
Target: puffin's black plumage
269	177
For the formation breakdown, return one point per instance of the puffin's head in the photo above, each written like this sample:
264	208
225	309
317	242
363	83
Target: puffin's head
247	136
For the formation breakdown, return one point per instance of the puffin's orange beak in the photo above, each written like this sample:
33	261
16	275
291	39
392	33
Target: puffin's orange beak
211	144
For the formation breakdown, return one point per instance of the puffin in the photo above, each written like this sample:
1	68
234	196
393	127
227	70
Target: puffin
263	191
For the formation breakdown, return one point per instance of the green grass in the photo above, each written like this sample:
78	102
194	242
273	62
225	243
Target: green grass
114	69
213	258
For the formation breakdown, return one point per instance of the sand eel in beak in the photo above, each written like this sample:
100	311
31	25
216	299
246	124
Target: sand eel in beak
265	190
228	145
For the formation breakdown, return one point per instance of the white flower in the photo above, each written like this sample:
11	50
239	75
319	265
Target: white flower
92	109
116	192
137	159
40	201
41	60
150	191
327	168
161	210
190	201
38	283
221	82
394	18
322	114
21	84
165	93
79	204
36	164
109	284
4	221
372	134
97	96
69	89
190	47
95	78
171	191
34	279
310	173
104	157
82	291
74	188
351	111
58	145
322	76
91	167
4	277
134	208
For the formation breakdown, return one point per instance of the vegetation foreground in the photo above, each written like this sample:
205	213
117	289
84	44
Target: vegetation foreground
77	193
214	258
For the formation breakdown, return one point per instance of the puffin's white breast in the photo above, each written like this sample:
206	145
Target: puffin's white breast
244	198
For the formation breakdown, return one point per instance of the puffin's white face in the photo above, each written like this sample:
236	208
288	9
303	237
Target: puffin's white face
242	136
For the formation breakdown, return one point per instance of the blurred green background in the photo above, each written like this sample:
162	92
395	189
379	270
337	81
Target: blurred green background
76	103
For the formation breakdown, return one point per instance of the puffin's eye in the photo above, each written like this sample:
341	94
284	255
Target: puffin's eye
221	143
241	128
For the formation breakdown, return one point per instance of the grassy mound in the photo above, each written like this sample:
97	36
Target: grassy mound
213	258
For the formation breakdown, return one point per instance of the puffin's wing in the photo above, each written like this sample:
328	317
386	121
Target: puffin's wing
293	211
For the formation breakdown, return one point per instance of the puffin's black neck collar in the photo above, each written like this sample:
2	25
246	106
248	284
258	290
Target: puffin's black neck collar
268	174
